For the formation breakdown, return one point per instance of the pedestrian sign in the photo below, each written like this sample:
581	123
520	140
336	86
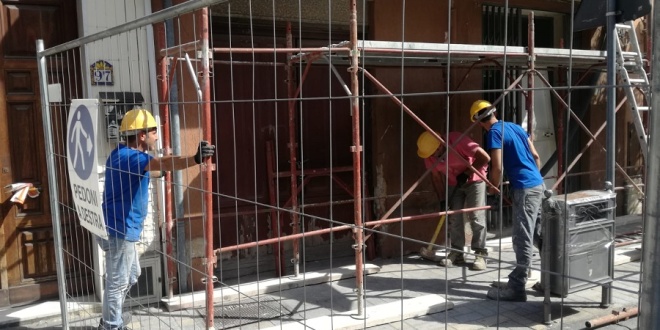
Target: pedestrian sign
82	162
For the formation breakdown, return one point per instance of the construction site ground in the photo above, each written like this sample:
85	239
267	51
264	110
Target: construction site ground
401	293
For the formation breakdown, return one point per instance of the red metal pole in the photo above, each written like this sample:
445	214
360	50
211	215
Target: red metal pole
163	84
207	177
281	50
375	223
357	161
625	314
293	147
405	108
280	268
319	171
421	122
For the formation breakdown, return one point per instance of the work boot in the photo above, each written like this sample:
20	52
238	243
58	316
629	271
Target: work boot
102	327
479	261
507	294
454	258
126	318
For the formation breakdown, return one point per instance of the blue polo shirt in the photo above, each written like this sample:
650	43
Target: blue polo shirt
126	193
517	159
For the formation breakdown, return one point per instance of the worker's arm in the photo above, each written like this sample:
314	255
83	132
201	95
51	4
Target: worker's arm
481	159
495	169
170	163
173	163
537	159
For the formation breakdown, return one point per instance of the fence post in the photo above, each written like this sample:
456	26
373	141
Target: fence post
52	182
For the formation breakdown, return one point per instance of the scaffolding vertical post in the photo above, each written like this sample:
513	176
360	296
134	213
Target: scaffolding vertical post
274	214
52	184
292	153
167	150
530	76
611	92
610	151
649	296
358	232
207	178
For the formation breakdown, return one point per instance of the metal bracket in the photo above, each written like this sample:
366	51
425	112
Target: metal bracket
356	148
214	279
206	260
204	166
357	248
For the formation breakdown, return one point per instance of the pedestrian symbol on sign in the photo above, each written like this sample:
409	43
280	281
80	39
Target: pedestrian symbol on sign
81	142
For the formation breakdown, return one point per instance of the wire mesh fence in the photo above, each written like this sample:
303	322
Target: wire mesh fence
346	154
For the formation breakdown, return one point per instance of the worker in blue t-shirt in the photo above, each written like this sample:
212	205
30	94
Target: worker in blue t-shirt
512	153
125	197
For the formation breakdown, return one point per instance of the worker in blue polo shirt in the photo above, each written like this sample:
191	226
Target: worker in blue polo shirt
512	153
125	203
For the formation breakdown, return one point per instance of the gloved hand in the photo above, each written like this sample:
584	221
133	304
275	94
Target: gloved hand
493	201
204	150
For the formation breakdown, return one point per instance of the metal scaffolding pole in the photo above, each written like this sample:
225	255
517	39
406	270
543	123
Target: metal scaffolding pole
610	159
650	296
293	147
207	176
358	233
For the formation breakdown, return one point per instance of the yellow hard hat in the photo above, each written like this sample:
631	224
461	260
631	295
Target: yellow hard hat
137	120
427	144
479	105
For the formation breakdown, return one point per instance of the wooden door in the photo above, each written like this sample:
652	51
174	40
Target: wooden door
27	257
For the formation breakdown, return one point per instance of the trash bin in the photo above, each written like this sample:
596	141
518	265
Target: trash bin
578	241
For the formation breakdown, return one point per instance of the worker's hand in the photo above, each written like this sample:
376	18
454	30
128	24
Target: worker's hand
204	150
493	201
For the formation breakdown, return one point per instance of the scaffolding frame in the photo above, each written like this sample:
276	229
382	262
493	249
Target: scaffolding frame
359	54
351	52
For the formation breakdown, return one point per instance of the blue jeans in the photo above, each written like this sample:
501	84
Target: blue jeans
526	229
469	195
122	269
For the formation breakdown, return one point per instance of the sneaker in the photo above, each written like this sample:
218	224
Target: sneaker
507	294
125	316
123	327
454	258
479	261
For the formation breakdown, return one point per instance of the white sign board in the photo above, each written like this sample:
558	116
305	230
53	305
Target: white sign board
82	162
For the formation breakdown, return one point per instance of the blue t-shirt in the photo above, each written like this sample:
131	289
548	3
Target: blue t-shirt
126	193
517	158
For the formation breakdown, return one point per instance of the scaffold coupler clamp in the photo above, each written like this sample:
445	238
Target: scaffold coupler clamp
214	259
214	279
359	247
